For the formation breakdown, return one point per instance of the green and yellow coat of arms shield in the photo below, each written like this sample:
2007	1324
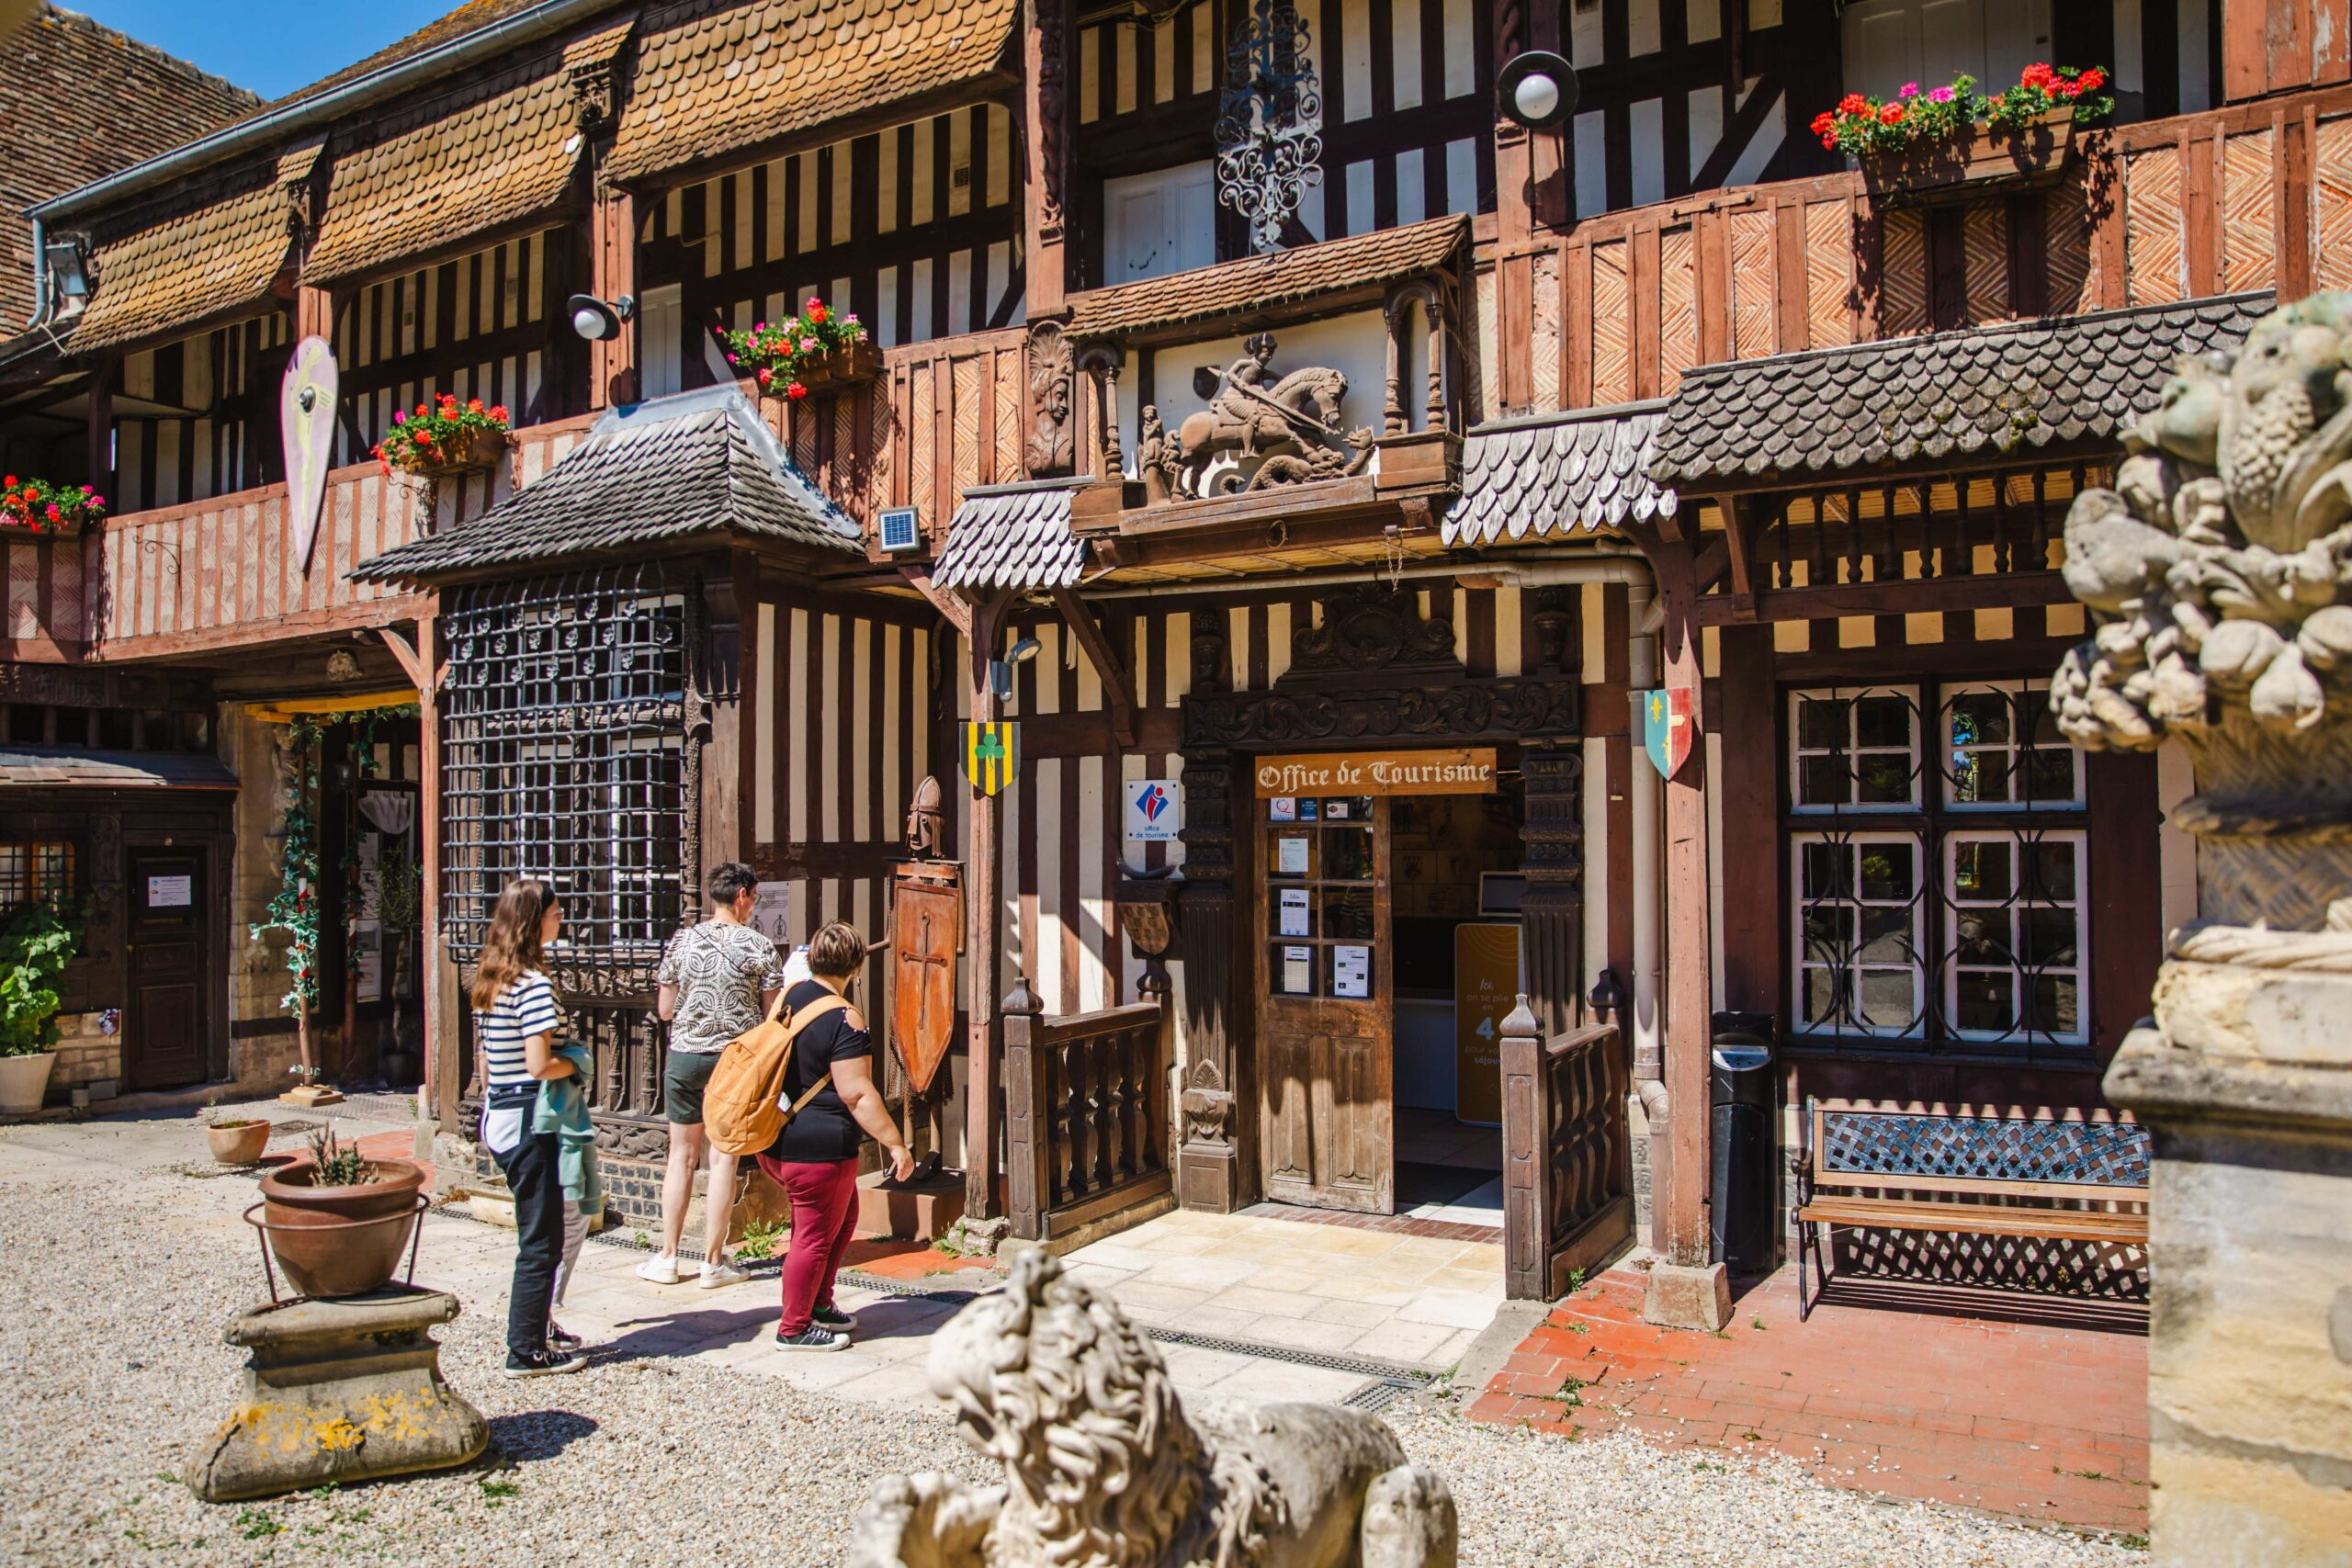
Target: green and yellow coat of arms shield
991	755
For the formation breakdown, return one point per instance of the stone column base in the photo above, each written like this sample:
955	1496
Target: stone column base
342	1390
1688	1296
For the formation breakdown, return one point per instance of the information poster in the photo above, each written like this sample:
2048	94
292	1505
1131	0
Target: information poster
1485	988
1351	972
1290	856
368	959
771	912
170	892
1298	970
1282	808
1295	912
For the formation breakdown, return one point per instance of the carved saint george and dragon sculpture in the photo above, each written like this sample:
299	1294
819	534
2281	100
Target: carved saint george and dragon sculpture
1104	1467
1289	425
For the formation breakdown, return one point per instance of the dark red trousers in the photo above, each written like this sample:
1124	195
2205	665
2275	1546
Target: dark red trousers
824	1219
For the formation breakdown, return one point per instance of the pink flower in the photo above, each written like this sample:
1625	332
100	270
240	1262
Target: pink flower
398	417
1940	96
1910	90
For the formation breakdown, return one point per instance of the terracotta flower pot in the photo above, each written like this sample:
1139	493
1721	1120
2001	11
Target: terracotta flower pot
341	1241
23	1081
238	1143
467	452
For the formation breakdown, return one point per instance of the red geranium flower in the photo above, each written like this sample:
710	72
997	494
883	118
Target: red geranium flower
498	412
796	391
473	405
1889	114
766	375
1854	103
817	311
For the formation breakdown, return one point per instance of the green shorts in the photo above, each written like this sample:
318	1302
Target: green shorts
684	1077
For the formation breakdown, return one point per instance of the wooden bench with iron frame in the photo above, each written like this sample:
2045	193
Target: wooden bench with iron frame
1984	1175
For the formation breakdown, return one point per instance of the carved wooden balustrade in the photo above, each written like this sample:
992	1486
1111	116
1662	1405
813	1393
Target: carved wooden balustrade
1086	1120
1568	1169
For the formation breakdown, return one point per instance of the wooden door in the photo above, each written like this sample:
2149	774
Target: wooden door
164	1026
1325	1027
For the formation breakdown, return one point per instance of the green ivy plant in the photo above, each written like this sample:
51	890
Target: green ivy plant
35	947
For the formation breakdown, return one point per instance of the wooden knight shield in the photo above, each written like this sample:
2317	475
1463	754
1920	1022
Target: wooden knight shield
306	417
926	934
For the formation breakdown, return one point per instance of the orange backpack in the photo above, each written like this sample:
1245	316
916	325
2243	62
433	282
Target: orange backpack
742	1108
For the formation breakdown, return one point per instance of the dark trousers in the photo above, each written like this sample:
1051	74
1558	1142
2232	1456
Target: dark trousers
824	1222
533	1177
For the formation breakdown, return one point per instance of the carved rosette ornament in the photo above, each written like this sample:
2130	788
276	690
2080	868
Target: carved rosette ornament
2219	570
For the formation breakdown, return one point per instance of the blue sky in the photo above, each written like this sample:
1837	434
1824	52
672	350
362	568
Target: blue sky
270	47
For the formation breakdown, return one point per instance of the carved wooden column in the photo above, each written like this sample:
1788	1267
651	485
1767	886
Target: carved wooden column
1027	1116
1046	97
1101	362
1209	1174
986	912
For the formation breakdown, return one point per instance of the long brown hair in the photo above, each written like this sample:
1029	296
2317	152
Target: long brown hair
512	944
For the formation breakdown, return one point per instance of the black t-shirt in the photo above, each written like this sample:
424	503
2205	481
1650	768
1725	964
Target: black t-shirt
824	1131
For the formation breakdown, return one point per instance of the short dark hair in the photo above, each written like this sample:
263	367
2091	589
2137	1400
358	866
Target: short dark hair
730	881
836	952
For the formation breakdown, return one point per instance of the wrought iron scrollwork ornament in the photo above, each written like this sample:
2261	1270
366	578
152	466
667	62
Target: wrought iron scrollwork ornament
1269	122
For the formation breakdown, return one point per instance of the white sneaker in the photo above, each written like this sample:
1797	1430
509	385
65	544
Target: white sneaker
715	1276
661	1270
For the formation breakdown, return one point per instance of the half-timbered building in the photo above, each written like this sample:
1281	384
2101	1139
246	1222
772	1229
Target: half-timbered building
1315	465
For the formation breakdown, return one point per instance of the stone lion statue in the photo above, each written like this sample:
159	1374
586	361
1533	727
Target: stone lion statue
1104	1468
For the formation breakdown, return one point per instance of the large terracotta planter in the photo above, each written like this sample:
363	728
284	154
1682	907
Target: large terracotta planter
467	452
238	1143
23	1081
837	372
70	528
340	1241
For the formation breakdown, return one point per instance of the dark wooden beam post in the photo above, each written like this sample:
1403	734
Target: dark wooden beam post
1045	61
981	1113
100	426
1027	1165
1527	1167
445	1069
1118	687
612	248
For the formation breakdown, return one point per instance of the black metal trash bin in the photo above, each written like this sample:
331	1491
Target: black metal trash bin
1746	1191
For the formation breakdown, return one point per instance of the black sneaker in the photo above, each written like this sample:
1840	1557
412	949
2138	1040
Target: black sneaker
562	1340
544	1363
829	1316
813	1338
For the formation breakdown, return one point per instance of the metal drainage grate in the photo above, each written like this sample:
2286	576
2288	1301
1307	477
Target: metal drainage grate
1377	1395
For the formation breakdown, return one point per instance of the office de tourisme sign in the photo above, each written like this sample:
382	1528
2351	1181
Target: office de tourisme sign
1469	771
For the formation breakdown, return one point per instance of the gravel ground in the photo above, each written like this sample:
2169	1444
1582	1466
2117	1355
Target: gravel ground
110	1347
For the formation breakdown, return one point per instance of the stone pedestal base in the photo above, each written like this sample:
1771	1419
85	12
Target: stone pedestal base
342	1390
1687	1296
310	1095
2247	1086
923	1211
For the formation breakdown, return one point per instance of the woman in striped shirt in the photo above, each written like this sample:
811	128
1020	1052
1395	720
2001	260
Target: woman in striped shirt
515	1021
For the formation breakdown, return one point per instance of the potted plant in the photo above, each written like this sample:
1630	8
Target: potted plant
236	1138
445	437
816	351
35	947
52	511
338	1223
1954	139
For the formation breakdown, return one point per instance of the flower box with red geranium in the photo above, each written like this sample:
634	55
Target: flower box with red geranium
47	511
816	352
1954	144
445	437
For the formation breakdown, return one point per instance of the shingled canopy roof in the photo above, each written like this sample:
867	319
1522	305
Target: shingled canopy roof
668	471
1012	536
1982	390
220	254
1256	284
1527	478
718	76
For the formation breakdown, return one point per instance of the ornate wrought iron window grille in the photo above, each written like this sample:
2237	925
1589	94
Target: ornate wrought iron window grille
1269	129
1939	866
565	755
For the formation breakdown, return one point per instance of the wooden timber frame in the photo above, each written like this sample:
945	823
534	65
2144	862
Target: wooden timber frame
1895	573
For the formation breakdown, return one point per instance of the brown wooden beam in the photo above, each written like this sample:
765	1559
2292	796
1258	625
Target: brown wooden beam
956	612
612	250
1988	590
1118	686
411	665
984	916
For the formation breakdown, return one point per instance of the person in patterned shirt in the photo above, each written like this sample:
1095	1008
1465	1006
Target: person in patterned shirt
717	981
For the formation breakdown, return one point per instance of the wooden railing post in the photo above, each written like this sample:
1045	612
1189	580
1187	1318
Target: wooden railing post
1527	1174
1027	1118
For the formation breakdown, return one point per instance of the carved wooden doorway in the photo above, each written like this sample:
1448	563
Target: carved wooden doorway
1326	1017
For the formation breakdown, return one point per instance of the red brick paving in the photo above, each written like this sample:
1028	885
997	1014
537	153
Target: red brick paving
897	1260
2041	1415
397	1143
